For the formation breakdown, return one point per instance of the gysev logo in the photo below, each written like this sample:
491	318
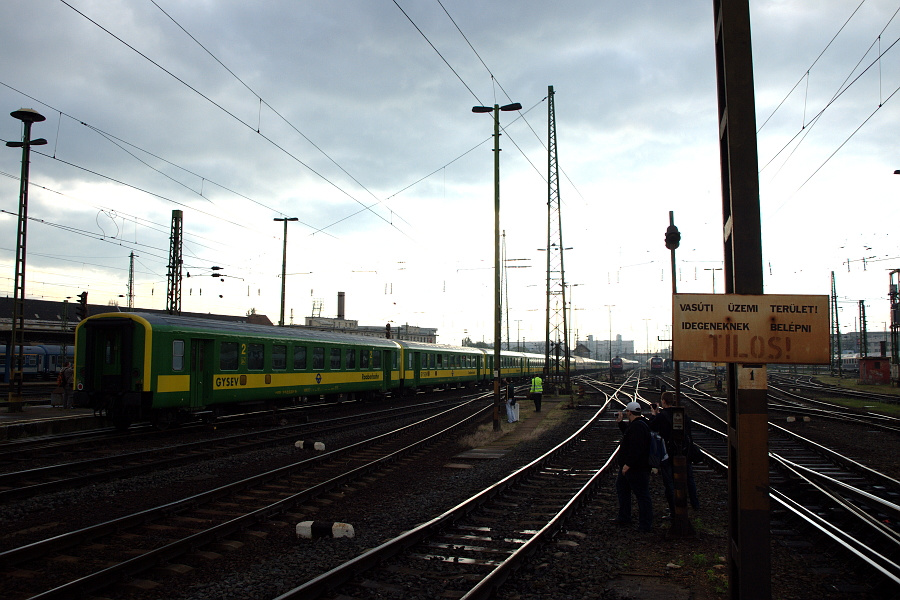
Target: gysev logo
231	381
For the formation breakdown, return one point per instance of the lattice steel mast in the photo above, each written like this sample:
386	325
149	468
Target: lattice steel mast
131	281
557	327
173	291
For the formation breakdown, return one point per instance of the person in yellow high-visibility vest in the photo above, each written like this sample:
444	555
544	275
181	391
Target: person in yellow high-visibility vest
537	392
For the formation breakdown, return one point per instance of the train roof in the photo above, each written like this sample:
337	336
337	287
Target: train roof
214	326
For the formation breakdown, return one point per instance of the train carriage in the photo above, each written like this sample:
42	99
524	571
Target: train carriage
427	366
40	361
169	368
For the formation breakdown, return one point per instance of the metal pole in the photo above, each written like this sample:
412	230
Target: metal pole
681	525
283	268
673	239
749	548
17	327
497	306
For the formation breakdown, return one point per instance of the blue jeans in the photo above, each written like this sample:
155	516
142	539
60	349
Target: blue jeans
638	482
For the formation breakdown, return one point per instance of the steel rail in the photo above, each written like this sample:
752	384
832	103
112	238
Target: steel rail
487	585
105	577
835	535
180	453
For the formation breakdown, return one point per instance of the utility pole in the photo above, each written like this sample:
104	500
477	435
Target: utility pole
863	330
749	545
131	281
284	268
17	326
556	273
173	287
837	328
497	300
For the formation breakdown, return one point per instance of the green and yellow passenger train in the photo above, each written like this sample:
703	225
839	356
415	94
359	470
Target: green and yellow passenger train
170	369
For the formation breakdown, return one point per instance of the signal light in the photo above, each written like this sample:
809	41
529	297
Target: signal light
673	237
81	311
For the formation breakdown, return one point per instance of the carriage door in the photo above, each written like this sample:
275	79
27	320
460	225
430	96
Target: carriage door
417	367
201	371
387	363
109	352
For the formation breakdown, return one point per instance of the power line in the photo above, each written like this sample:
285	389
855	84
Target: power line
230	114
269	106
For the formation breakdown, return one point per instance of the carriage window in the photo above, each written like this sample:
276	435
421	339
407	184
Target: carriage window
112	350
177	355
395	360
440	361
376	359
228	356
409	360
335	358
255	356
318	358
364	359
300	357
350	359
279	356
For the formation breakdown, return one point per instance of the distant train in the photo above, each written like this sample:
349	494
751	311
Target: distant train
656	365
169	369
850	362
619	365
42	361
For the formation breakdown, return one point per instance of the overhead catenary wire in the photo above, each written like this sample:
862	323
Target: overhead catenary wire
233	116
262	102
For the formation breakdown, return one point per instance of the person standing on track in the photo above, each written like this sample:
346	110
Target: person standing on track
537	392
634	472
65	382
512	408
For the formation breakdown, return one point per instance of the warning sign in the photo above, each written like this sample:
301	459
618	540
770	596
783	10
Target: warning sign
732	328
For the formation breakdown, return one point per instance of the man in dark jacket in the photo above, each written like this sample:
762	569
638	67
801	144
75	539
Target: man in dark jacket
634	473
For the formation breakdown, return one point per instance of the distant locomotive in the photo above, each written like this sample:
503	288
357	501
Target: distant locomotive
170	369
656	365
620	366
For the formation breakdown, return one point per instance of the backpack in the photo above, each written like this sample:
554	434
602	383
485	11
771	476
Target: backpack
657	450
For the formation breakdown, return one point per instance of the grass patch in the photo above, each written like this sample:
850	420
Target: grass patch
553	416
718	580
484	435
853	384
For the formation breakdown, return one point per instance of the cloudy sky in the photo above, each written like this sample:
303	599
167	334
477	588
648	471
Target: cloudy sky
355	117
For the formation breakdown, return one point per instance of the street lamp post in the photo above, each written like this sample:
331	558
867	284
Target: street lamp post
17	327
283	268
497	308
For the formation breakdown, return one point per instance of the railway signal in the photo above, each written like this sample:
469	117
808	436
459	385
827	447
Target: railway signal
81	311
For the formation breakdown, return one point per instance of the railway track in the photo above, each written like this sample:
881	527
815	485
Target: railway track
108	466
820	496
98	556
470	550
